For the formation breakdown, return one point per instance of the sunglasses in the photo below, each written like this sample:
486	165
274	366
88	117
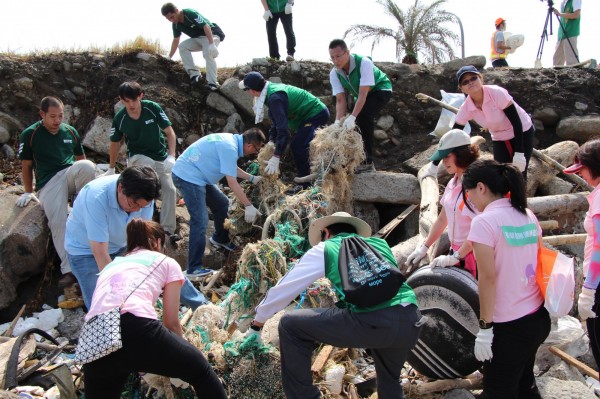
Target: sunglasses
467	81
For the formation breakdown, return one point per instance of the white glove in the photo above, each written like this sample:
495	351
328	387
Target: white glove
251	213
109	171
519	161
168	163
336	123
585	303
25	198
416	255
483	344
288	8
445	261
213	51
272	165
176	382
432	170
267	15
349	123
255	179
253	335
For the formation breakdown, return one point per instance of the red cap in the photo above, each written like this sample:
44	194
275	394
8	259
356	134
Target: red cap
576	167
499	21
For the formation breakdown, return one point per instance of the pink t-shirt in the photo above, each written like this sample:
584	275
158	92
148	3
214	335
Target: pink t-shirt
459	216
588	225
491	115
119	278
514	237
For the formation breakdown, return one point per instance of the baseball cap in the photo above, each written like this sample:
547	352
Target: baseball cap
575	168
253	80
466	69
449	141
499	21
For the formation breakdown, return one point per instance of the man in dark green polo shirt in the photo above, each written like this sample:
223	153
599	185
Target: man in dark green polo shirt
150	140
52	151
204	36
290	108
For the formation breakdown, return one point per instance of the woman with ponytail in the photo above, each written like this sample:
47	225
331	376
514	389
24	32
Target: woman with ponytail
135	281
513	321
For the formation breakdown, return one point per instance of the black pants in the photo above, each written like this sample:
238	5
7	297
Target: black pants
593	327
376	100
500	62
149	347
286	21
509	375
503	154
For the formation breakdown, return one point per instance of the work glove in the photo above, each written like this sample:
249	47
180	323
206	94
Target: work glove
416	255
251	213
349	123
445	261
169	163
267	15
483	344
585	303
288	8
213	51
519	161
109	171
253	335
432	170
254	179
25	198
336	123
272	165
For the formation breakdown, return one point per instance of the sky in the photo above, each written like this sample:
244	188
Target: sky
35	25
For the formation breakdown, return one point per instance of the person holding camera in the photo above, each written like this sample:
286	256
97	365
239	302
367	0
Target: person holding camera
566	48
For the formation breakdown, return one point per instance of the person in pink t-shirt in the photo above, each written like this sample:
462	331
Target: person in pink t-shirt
493	108
456	151
513	320
587	165
135	282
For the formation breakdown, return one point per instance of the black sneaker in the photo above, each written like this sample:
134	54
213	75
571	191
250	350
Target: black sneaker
228	246
213	86
365	168
195	80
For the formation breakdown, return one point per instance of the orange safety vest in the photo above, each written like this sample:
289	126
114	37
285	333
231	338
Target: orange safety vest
494	54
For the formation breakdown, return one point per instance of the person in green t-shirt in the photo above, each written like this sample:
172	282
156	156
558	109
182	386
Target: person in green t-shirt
368	85
276	10
150	140
52	151
566	47
204	36
389	329
290	108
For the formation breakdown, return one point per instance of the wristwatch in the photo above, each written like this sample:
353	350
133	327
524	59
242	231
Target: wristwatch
484	325
255	327
456	254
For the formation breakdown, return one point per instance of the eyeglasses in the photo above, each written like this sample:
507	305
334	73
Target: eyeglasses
467	80
255	149
246	88
132	204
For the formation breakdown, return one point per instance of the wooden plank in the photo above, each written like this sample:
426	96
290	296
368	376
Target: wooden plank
321	359
584	368
387	229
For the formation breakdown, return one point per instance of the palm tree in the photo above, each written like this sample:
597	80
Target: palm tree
420	30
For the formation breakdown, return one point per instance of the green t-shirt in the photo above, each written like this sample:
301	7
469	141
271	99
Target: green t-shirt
301	104
332	250
143	135
571	25
277	5
351	83
49	152
192	25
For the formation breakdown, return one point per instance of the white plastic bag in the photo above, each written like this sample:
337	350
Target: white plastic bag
447	117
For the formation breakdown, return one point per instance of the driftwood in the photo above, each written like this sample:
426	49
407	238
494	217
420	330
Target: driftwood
565	239
555	205
321	359
548	224
584	368
13	324
186	317
446	385
388	228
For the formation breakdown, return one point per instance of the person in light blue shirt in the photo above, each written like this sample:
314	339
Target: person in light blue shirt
196	173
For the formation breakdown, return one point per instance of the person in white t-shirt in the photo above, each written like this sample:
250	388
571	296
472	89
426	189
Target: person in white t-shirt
135	281
513	320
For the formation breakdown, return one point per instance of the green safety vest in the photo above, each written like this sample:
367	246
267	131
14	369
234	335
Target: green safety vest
301	104
571	25
351	83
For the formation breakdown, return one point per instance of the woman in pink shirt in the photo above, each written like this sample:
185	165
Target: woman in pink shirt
136	280
493	108
456	151
587	165
513	320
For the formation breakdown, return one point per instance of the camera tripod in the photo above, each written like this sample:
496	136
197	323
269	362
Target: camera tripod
544	37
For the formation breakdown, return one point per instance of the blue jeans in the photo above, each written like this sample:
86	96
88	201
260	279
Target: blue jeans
85	269
197	200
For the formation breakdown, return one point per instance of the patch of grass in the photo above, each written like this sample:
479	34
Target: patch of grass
140	43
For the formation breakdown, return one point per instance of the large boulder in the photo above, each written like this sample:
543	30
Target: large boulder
579	128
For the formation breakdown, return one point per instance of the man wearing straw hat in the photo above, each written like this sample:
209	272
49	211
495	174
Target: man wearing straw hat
389	329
